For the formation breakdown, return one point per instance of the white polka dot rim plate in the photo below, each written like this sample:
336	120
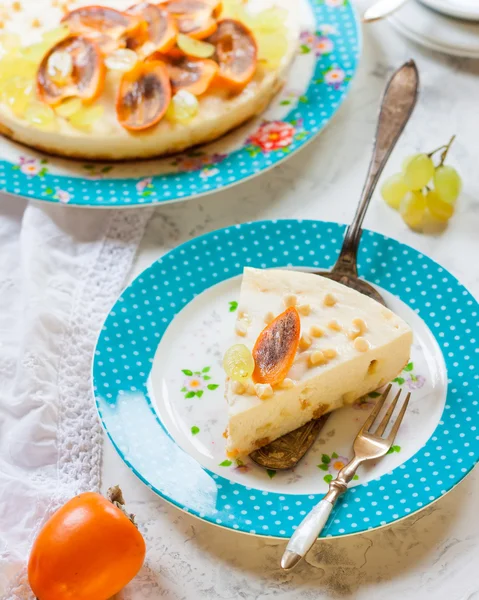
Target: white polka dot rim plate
158	383
317	84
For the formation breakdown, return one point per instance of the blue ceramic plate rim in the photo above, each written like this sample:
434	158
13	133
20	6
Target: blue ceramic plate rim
316	108
418	476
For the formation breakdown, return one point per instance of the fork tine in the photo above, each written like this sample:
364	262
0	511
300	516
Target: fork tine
391	437
387	417
379	404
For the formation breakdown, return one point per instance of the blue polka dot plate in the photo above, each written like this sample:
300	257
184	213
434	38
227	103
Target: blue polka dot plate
158	383
317	83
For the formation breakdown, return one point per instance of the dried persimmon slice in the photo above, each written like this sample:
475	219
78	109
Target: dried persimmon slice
193	75
193	17
143	96
236	53
107	26
72	68
276	347
160	33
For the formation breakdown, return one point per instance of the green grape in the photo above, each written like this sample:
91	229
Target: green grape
412	209
183	108
41	116
272	47
417	171
439	209
68	107
17	93
86	117
393	190
447	182
238	363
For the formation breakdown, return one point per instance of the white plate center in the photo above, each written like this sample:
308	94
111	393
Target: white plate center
187	389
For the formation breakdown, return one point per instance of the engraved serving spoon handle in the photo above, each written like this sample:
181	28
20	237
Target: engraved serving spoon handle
397	104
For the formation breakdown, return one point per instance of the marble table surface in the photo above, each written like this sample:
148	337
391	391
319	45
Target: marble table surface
434	553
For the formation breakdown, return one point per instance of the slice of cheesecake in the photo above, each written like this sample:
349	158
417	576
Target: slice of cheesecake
349	345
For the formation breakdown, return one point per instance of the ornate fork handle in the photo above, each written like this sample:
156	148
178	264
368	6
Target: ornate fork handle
312	525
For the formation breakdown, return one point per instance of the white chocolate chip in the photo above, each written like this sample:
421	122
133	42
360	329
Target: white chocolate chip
330	353
263	390
334	325
290	300
238	388
316	331
287	383
304	309
268	318
241	328
329	300
305	341
361	344
316	358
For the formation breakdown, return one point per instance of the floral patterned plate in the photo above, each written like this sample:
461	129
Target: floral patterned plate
158	383
317	84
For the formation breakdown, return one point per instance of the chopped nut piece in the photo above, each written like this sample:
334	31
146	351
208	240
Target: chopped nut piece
316	331
225	433
305	341
317	358
361	344
304	309
334	325
238	388
360	327
360	324
330	353
286	384
241	328
244	316
263	390
250	389
17	7
36	23
320	410
290	300
329	300
268	318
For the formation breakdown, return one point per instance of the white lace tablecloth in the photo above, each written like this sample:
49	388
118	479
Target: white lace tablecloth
61	269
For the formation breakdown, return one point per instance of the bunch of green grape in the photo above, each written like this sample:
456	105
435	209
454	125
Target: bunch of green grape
422	191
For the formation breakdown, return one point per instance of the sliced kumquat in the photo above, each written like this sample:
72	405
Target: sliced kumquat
160	32
276	347
143	96
107	26
236	53
193	17
193	75
82	75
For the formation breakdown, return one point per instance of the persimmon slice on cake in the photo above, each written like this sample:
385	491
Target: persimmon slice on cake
304	346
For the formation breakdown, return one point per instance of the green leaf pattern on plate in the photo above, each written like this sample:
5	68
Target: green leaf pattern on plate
196	383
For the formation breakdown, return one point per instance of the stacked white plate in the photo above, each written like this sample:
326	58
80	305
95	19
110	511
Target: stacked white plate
450	26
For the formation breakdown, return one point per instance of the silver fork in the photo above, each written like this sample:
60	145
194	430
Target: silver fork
368	445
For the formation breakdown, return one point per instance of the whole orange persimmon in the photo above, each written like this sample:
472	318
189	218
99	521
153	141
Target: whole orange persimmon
88	550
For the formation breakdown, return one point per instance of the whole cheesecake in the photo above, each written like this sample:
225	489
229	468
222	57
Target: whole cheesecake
317	345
